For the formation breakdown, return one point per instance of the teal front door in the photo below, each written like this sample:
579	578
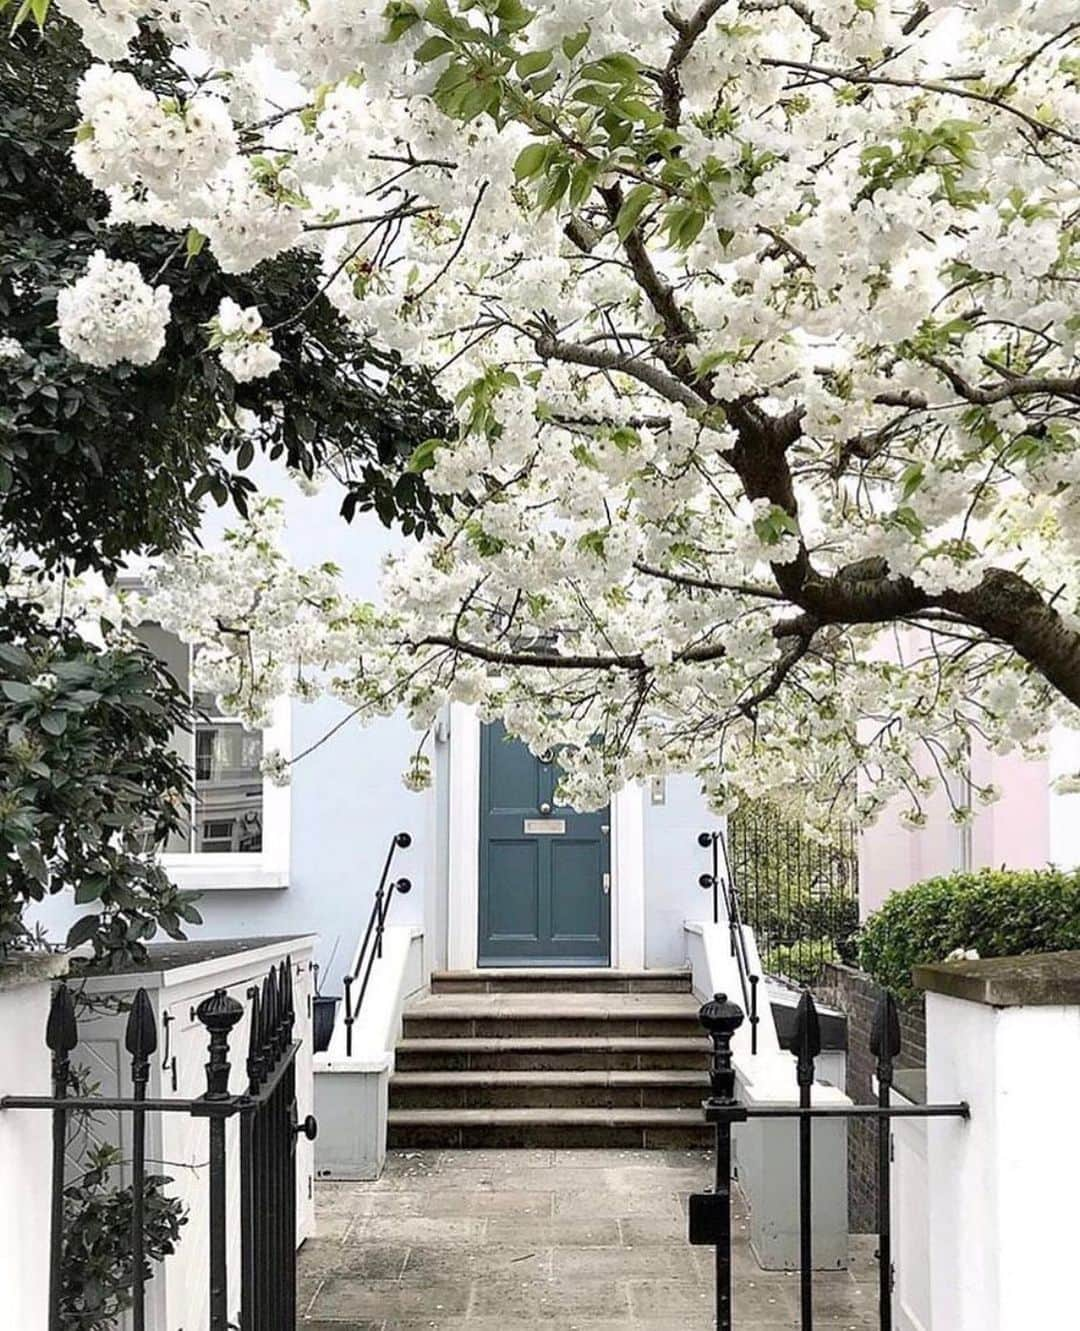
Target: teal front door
545	896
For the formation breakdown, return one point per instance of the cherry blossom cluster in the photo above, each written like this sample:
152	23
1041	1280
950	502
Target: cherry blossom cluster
246	349
760	325
111	314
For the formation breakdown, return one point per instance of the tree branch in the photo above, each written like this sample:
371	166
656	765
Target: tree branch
861	79
549	347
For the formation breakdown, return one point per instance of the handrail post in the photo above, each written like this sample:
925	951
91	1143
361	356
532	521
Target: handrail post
347	982
380	920
754	981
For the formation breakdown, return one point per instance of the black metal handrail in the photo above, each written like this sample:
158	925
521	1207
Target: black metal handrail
371	949
725	885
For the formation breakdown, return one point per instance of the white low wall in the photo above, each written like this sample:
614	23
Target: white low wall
352	1091
765	1150
25	1141
715	970
178	1294
1003	1187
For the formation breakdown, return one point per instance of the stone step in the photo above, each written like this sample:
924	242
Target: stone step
555	980
518	1015
617	1129
543	1053
662	1089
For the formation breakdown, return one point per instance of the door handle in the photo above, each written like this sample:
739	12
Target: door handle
545	807
605	883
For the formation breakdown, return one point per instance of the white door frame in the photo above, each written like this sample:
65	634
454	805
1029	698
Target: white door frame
463	902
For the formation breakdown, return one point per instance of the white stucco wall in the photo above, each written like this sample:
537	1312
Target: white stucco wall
25	1143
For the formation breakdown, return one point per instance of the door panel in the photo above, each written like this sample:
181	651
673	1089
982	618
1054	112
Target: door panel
513	890
544	894
576	912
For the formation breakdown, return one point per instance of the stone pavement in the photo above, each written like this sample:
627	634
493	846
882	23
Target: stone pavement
574	1240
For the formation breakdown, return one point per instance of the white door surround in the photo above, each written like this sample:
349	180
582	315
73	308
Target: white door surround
463	899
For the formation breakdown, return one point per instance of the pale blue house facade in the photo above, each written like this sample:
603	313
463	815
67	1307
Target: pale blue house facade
319	845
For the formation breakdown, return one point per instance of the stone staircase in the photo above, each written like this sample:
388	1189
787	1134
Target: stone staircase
543	1058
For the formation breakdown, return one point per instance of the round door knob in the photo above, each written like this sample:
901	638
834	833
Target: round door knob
545	807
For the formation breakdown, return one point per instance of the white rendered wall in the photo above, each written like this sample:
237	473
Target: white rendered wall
1003	1187
25	1144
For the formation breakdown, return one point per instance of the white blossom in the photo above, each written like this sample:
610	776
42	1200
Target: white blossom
111	314
716	369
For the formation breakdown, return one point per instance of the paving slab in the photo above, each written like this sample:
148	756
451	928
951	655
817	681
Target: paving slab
561	1240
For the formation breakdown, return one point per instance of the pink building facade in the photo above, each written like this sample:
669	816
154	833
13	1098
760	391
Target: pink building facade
1030	827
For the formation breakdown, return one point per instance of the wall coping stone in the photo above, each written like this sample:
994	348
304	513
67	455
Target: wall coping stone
23	968
1047	979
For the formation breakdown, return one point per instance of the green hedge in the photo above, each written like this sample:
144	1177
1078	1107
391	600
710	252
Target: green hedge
999	913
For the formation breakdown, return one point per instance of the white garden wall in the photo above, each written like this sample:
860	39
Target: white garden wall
25	1141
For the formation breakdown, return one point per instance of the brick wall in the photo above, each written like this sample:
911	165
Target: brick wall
856	995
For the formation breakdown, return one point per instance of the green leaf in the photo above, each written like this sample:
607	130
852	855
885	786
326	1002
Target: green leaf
90	889
633	206
54	723
194	242
423	455
17	691
531	160
573	46
33	862
433	48
83	930
912	478
581	182
532	62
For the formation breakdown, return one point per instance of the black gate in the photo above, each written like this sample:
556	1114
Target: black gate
268	1128
710	1212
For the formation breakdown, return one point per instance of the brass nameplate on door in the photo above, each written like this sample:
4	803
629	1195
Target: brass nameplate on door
545	826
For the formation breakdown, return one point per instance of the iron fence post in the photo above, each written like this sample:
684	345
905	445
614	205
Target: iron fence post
61	1036
884	1046
710	1214
219	1014
140	1040
807	1047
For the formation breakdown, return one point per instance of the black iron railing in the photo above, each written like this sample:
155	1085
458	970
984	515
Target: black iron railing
723	885
710	1212
371	949
268	1127
799	893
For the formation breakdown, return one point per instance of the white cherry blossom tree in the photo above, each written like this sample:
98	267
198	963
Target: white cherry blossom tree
760	319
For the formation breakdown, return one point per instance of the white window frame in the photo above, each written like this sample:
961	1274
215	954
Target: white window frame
229	871
268	868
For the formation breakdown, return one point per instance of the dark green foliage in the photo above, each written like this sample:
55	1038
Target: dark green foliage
96	1264
998	912
801	962
800	896
89	785
99	464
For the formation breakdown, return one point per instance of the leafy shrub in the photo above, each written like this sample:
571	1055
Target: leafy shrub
999	913
801	962
97	1269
